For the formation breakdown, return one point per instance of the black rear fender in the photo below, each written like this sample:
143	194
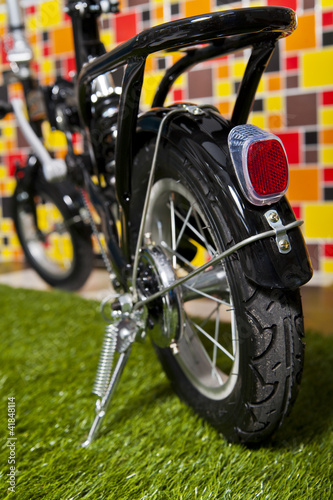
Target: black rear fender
203	140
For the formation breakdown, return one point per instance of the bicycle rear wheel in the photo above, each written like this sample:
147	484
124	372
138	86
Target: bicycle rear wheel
239	350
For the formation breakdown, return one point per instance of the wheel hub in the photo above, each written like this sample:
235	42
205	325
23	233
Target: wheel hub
164	322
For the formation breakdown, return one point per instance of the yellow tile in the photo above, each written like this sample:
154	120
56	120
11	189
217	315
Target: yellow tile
318	221
56	139
9	186
6	225
327	3
224	88
328	266
6	255
261	86
50	13
14	241
239	68
327	156
3	23
107	39
317	68
31	23
149	87
8	132
258	120
3	172
305	36
326	116
47	66
274	103
181	81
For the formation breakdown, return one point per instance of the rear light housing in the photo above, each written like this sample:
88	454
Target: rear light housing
260	163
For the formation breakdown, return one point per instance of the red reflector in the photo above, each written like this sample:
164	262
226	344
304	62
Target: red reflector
267	167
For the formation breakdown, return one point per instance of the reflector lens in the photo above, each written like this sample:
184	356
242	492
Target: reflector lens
267	167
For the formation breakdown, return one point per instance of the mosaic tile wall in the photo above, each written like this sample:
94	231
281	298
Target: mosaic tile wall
295	99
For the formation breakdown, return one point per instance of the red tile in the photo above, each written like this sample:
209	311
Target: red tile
126	26
327	18
13	160
291	142
328	250
70	65
297	211
292	63
328	175
178	95
292	4
4	59
328	98
31	10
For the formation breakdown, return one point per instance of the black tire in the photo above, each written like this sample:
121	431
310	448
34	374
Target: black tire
58	247
246	398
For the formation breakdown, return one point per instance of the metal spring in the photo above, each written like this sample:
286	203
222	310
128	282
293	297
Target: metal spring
105	361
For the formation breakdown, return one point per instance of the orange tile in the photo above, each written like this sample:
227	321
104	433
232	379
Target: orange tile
196	7
63	40
303	185
159	13
305	36
149	64
32	38
224	107
274	122
223	71
274	83
327	136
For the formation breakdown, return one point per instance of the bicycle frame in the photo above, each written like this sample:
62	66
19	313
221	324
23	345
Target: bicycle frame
258	249
225	32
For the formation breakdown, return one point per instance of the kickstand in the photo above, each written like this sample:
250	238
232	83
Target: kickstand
103	404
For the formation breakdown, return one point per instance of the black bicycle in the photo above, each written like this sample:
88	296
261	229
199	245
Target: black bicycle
204	252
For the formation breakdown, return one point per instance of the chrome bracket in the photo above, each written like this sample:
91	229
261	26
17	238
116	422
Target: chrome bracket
281	236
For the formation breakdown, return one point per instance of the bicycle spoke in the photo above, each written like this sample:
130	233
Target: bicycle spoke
210	249
173	229
206	295
201	330
188	215
177	254
216	336
214	371
233	331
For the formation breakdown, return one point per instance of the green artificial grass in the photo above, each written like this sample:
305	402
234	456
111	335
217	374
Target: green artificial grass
151	446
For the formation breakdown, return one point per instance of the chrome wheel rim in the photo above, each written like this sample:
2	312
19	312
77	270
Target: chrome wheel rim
207	349
49	241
